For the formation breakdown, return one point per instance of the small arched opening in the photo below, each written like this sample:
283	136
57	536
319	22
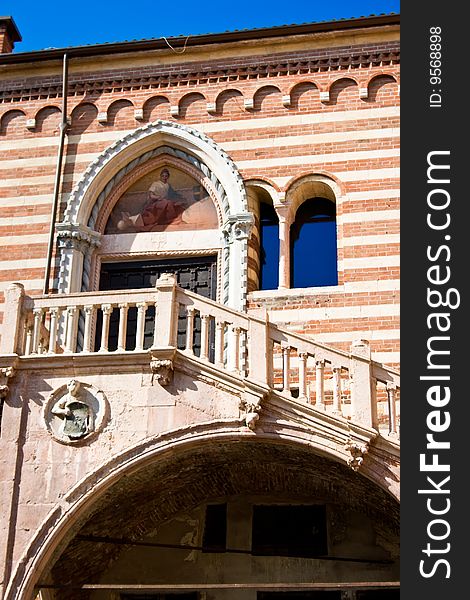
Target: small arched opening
313	242
247	513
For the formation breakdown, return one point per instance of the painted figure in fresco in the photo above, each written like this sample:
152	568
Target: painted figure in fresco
164	206
76	414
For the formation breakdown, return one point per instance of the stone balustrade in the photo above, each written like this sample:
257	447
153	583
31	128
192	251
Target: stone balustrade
345	384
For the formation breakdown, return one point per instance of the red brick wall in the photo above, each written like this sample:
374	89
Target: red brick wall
27	159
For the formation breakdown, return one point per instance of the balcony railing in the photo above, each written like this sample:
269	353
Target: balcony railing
345	384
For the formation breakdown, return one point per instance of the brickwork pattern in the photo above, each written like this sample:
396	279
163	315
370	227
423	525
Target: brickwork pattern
242	106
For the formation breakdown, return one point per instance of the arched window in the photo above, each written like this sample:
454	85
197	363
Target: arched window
269	247
313	245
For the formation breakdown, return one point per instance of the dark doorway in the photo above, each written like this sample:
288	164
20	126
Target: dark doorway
289	530
197	275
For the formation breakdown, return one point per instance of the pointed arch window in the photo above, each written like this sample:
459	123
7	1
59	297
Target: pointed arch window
313	245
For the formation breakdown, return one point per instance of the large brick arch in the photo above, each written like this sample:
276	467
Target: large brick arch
150	483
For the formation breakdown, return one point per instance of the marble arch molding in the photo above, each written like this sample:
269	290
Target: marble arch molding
79	234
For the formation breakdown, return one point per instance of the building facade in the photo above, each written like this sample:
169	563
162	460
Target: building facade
199	349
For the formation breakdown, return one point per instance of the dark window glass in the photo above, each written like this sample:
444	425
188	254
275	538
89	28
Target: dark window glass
289	531
313	245
215	528
269	247
197	275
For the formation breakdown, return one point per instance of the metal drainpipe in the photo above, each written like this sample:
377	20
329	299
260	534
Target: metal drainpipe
63	128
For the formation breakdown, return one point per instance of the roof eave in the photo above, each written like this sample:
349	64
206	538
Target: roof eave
201	39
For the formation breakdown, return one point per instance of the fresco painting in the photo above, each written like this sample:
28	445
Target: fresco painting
164	200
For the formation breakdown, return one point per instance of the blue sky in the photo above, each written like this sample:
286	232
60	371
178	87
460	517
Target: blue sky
61	24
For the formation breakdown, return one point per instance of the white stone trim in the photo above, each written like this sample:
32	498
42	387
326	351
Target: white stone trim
381	285
187	145
371	215
273	142
135	145
29	284
303	315
312	138
371	240
371	262
27	263
27	220
351	336
20	240
374	194
367	175
315	159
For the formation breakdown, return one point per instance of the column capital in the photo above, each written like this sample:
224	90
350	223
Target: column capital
77	237
238	227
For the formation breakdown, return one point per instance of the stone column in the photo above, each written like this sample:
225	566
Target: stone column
320	384
253	246
284	246
236	231
165	312
303	357
391	393
76	245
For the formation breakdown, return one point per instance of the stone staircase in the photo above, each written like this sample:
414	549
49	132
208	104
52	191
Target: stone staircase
257	356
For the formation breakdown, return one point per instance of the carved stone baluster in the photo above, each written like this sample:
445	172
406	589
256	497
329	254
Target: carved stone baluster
28	338
87	342
190	310
320	384
37	312
337	391
219	343
285	368
392	408
71	339
234	349
53	324
303	356
123	308
205	320
139	336
107	309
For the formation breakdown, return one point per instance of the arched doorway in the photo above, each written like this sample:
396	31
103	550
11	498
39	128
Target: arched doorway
251	519
205	212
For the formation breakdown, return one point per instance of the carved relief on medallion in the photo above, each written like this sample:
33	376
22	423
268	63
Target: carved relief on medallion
75	412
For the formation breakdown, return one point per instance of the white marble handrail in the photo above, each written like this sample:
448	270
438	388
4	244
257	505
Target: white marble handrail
346	384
